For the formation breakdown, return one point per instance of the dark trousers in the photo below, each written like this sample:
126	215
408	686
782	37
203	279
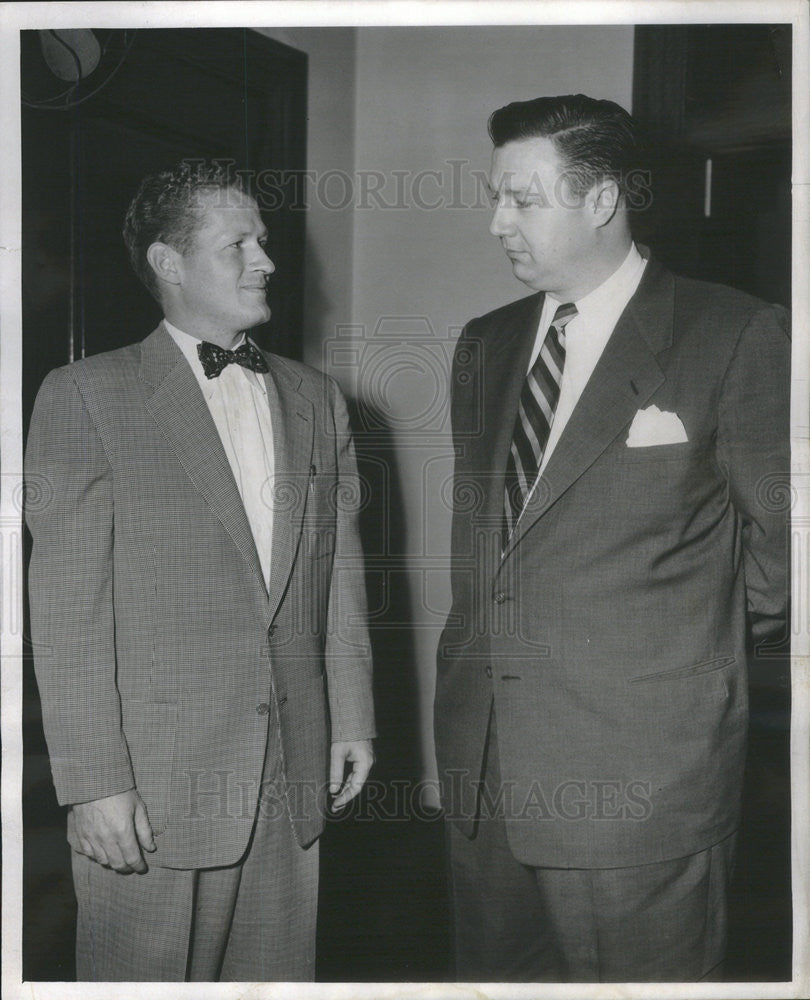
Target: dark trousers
663	922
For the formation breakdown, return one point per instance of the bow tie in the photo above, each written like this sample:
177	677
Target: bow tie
214	358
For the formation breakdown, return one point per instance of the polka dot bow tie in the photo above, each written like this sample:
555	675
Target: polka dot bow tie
214	358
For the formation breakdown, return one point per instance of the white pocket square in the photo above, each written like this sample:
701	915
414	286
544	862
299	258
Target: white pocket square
653	426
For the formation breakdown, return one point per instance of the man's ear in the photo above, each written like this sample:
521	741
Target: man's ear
604	198
164	261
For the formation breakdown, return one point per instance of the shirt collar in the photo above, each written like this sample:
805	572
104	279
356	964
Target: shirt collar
614	293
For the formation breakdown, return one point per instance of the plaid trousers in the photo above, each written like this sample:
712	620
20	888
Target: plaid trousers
248	922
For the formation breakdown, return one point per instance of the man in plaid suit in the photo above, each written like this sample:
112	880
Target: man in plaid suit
197	607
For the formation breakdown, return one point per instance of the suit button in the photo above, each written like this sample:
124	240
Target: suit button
499	598
263	709
488	670
271	630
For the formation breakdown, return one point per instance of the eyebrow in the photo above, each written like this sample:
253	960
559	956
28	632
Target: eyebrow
527	191
242	233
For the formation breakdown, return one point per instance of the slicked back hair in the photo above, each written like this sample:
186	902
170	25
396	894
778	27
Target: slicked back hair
167	209
593	138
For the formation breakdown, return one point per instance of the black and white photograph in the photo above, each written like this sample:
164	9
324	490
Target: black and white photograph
405	497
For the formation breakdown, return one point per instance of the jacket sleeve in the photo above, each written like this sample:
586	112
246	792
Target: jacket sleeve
348	651
71	592
753	448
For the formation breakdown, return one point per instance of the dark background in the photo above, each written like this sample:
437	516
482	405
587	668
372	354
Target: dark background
718	92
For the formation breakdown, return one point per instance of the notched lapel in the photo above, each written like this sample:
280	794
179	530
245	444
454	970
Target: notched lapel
179	409
293	419
503	371
625	377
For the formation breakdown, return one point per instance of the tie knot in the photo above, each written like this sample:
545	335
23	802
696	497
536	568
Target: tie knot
564	314
215	358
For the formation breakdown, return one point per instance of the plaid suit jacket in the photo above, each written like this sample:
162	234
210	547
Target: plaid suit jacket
158	647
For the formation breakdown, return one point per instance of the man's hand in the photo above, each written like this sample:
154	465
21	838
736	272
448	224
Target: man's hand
361	756
113	830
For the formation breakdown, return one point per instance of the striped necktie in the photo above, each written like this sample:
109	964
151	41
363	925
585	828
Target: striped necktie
538	401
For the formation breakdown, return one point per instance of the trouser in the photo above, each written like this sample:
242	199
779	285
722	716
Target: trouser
662	922
252	921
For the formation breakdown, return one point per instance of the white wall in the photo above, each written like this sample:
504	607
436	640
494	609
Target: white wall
423	98
388	288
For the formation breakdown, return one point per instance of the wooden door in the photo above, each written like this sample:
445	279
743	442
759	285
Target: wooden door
160	96
716	102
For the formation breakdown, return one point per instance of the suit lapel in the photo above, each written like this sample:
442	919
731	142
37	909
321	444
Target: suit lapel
625	377
504	363
293	434
179	409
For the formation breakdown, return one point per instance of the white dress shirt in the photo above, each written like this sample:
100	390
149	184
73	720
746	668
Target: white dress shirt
586	336
237	399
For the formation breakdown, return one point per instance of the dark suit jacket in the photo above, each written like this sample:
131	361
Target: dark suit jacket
612	633
157	645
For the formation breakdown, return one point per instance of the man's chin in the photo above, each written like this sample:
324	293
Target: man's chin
259	317
525	274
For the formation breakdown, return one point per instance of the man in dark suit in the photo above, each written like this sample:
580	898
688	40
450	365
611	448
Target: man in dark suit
615	435
197	607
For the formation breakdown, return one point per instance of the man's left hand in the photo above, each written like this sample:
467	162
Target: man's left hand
361	756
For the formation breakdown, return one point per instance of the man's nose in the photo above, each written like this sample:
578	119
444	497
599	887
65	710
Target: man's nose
263	263
501	224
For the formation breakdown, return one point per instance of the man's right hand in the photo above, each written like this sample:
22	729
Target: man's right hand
114	830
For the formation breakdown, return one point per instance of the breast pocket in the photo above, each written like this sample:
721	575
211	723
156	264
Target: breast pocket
677	452
324	498
664	486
